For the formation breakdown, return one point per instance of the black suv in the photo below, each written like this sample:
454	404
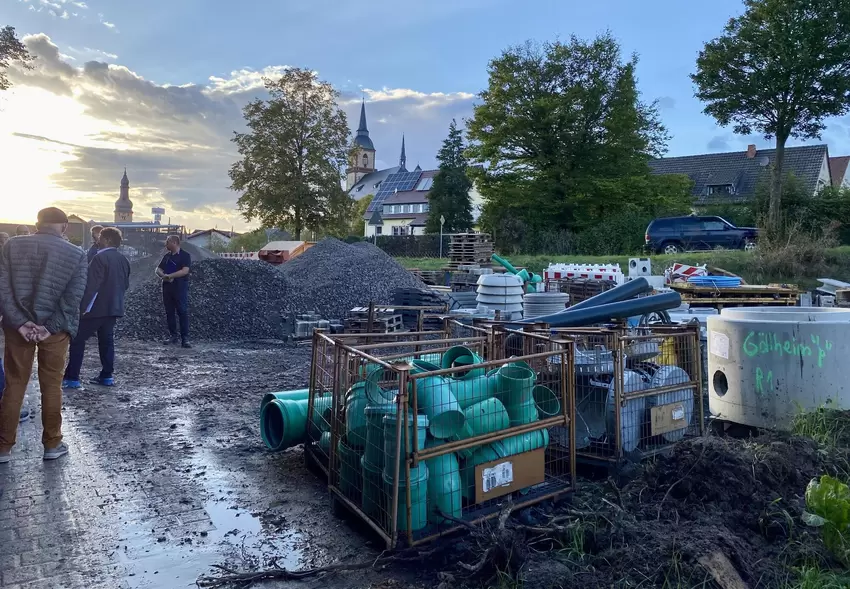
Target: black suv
672	235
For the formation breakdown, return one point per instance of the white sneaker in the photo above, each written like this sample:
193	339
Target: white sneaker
57	452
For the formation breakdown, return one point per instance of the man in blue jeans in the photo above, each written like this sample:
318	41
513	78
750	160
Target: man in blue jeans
101	306
173	270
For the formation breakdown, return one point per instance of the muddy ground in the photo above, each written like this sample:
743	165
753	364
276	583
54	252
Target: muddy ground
168	478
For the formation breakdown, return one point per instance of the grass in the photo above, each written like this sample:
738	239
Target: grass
742	263
813	577
825	426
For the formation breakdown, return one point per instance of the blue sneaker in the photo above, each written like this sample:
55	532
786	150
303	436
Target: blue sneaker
25	415
103	382
72	384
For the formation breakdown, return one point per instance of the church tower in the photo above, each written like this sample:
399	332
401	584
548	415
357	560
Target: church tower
363	160
124	206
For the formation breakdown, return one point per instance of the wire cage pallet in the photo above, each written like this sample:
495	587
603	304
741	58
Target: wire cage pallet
422	435
653	375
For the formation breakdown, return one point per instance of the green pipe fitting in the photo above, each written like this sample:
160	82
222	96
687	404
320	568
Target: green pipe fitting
350	473
421	366
504	263
486	417
297	395
418	498
459	356
523	274
283	424
514	384
435	399
469	392
526	442
523	414
375	433
444	492
390	449
325	444
547	401
358	397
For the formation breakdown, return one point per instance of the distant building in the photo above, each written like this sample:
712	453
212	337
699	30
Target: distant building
207	237
124	206
732	177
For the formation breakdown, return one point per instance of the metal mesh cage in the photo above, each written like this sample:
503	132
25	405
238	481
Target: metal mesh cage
637	390
418	436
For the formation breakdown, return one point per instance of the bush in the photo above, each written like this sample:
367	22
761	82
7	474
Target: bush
798	253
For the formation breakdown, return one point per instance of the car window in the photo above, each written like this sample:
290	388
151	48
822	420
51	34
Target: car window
713	226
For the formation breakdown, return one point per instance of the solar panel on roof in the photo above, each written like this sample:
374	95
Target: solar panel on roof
398	182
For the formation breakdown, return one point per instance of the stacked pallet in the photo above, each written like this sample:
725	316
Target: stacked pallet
383	321
742	296
470	249
412	297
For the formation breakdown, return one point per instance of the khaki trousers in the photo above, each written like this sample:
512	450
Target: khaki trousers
18	360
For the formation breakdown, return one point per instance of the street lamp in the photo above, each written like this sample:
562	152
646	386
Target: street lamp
442	222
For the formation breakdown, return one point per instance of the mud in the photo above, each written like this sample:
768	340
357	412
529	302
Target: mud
168	479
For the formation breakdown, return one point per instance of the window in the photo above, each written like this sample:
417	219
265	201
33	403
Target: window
379	230
365	160
396	230
426	208
713	226
720	189
408	208
425	184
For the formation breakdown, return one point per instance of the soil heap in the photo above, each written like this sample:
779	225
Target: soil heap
251	300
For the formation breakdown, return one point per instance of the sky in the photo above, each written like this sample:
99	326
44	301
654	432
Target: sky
158	86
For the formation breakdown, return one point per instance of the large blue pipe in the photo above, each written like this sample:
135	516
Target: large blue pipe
623	292
601	313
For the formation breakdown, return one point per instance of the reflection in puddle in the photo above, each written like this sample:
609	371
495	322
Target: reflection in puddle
186	539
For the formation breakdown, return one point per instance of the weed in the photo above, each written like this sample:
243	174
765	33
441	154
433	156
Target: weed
827	427
814	577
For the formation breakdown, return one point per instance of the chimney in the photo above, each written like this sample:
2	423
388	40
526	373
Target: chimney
751	151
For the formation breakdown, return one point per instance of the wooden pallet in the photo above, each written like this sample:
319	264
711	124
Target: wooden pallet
744	295
383	324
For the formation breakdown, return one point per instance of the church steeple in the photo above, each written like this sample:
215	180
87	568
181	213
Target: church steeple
124	206
362	138
402	160
363	157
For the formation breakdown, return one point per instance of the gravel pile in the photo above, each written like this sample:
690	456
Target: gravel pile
249	300
228	300
333	277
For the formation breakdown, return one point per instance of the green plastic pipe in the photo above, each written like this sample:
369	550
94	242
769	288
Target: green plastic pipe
358	397
504	263
548	403
296	395
418	498
444	491
473	391
486	417
459	356
350	472
514	384
283	424
435	399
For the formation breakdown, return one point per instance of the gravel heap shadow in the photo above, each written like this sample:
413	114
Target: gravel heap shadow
231	300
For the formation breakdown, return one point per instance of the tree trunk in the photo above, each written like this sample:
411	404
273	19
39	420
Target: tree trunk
774	216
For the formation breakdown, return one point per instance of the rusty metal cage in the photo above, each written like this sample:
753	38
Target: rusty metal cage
420	436
653	375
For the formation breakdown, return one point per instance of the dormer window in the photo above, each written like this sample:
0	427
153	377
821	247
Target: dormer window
720	189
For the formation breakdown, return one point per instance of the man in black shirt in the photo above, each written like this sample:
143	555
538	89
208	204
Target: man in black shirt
95	246
174	272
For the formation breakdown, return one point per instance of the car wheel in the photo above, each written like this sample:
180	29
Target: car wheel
671	248
750	246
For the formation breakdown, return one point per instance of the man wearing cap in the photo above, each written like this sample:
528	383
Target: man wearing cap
42	279
102	305
173	270
95	238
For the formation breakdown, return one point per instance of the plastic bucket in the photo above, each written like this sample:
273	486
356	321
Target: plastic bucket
374	493
514	384
522	414
350	477
375	432
418	498
444	492
547	401
389	440
283	424
483	418
435	399
482	455
297	395
462	356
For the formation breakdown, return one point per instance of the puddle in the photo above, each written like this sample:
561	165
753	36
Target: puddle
173	549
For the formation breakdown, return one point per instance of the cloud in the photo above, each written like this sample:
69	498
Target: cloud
175	140
106	23
666	103
719	143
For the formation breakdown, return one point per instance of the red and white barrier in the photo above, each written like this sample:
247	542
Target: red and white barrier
590	271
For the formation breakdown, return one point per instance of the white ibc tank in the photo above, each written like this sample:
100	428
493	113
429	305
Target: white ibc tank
765	363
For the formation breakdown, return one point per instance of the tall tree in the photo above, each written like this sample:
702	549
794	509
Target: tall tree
11	51
557	125
449	196
293	155
779	69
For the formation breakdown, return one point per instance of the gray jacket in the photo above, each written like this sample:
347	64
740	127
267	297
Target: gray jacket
42	279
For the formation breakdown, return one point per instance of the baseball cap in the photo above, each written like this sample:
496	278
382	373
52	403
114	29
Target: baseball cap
52	215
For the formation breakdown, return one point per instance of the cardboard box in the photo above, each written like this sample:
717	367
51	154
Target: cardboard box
667	418
506	475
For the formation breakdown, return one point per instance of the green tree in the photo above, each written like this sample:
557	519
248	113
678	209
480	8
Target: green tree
248	242
449	196
563	138
293	154
779	69
358	220
11	51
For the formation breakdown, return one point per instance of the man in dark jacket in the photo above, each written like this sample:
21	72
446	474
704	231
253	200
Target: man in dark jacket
95	237
42	279
173	270
101	306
